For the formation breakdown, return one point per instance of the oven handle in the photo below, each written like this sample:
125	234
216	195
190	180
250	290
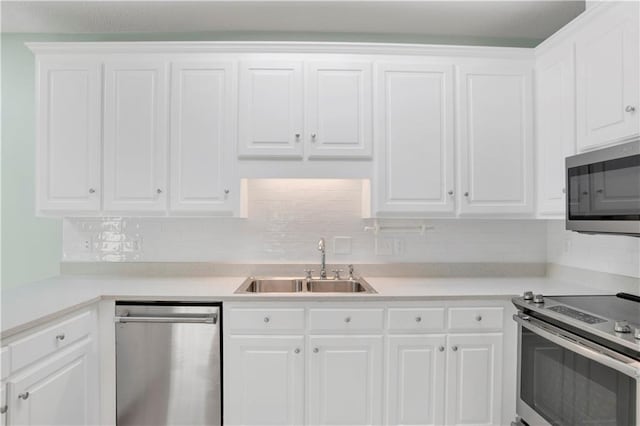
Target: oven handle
573	343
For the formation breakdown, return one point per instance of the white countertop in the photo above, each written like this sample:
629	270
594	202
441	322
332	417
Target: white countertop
28	305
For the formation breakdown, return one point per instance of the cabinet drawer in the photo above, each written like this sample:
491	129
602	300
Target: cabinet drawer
252	320
46	341
346	320
475	318
416	319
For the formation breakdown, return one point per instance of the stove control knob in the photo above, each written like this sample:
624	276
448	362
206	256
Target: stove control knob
538	298
528	295
636	333
622	327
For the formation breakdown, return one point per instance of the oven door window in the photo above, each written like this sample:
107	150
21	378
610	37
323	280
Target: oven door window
566	388
607	190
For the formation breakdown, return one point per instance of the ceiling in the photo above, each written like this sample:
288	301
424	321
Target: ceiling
526	21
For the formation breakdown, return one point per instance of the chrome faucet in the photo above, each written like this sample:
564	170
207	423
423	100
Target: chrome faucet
323	266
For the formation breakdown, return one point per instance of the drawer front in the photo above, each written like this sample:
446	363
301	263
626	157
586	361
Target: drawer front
255	320
5	362
485	318
416	319
345	320
46	341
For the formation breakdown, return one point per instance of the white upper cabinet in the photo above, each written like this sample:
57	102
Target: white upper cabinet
414	139
270	122
69	120
135	127
495	131
203	137
607	74
555	125
339	109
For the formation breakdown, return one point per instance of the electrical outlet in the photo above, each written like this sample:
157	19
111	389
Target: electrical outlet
384	246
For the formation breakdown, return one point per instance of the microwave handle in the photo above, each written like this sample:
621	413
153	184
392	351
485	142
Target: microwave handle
571	342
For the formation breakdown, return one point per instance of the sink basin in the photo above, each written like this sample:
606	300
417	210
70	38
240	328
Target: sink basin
303	285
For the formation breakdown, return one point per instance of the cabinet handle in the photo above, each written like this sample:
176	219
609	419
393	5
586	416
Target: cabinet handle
159	191
450	192
441	348
455	348
630	108
479	318
4	409
60	337
92	191
267	319
418	319
316	350
296	350
466	194
347	319
23	396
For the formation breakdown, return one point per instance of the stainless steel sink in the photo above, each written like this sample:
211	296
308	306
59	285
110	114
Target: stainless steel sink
303	285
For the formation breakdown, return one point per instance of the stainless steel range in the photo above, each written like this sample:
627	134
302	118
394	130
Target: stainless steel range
578	359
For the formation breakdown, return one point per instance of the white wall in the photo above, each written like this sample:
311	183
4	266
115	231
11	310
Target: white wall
286	219
614	254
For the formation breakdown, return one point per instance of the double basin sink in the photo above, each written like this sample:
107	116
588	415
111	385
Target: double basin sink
304	285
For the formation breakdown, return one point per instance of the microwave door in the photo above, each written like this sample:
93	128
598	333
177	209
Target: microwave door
579	199
615	188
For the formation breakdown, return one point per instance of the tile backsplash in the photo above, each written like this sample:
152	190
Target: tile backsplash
285	220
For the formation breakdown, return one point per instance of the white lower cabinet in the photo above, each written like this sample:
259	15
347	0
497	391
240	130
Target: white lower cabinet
415	380
474	379
267	387
345	380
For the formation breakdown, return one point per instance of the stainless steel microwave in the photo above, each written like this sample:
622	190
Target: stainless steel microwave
603	190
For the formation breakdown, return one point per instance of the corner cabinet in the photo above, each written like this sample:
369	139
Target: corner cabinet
495	130
607	77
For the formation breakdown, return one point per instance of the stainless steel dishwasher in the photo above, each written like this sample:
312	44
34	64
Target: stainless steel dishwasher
168	364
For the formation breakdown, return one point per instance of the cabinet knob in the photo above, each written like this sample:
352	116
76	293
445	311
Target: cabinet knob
60	337
4	409
24	395
313	137
630	108
226	192
418	319
297	137
267	319
564	190
441	348
479	318
316	350
450	192
455	348
92	191
347	319
159	191
466	194
296	350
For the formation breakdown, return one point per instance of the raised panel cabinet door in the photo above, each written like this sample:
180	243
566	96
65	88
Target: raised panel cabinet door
57	392
135	127
415	380
414	139
607	74
555	126
69	135
344	380
474	379
270	121
265	377
496	138
339	110
202	137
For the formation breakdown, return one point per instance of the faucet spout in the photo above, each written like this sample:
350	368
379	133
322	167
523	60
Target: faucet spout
323	266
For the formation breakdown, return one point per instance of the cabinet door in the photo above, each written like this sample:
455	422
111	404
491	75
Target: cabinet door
415	380
474	379
345	380
202	137
414	143
270	109
607	74
265	378
555	124
339	109
60	391
4	408
135	123
68	133
496	145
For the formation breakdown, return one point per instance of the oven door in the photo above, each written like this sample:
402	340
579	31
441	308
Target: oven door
565	380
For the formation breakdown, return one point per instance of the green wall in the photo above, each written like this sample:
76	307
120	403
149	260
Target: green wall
32	247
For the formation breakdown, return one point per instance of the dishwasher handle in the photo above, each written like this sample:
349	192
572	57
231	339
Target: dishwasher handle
199	319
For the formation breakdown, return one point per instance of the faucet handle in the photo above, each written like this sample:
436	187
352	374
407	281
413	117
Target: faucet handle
336	273
308	273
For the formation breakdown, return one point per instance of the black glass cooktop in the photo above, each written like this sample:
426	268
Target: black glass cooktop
606	307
